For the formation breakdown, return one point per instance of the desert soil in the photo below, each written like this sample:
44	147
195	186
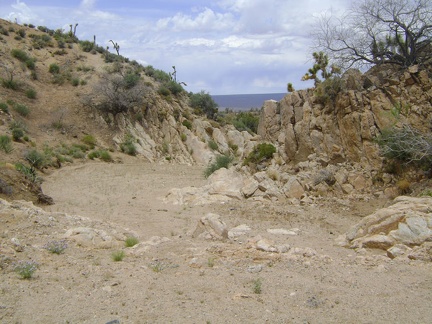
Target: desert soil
171	277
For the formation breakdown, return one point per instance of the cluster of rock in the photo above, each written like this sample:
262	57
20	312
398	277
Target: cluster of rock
344	130
403	229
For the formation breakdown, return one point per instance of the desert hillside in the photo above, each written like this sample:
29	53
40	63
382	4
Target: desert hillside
121	201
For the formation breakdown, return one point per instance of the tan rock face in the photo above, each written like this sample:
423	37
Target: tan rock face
367	105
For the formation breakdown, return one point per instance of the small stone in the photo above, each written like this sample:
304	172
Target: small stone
255	268
397	251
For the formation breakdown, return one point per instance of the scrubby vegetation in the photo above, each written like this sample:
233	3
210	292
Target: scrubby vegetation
222	161
203	104
260	153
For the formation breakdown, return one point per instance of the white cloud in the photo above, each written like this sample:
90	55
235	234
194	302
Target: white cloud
87	4
22	13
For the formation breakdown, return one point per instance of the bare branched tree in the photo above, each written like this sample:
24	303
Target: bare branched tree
116	93
376	32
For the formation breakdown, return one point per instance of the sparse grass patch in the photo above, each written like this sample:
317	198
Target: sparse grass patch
131	241
25	269
29	172
6	144
257	286
186	123
212	145
21	109
31	93
4	107
17	134
222	161
89	140
54	68
118	256
128	146
100	154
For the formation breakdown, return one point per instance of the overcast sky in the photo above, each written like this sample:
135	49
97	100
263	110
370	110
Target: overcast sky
220	46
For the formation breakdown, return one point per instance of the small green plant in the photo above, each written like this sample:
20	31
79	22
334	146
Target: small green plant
31	93
54	68
6	144
4	107
118	256
157	266
100	154
89	140
186	123
210	262
222	161
17	134
131	241
260	153
404	186
212	145
21	109
26	269
56	247
183	137
35	158
128	146
28	172
257	286
75	82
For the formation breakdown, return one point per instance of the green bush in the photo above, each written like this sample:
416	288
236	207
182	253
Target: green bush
131	80
19	54
222	161
35	158
54	68
89	140
75	82
128	146
100	154
212	145
86	46
163	90
31	93
10	84
17	134
131	241
174	87
5	144
246	121
203	103
21	32
187	124
21	109
4	107
260	153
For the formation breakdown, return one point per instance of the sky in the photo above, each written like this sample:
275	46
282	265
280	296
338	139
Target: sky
219	46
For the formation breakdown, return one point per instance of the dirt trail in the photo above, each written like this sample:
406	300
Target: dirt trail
179	279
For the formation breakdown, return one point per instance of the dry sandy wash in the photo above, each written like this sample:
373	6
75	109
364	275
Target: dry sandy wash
171	277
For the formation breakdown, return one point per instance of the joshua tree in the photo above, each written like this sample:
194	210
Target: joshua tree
116	46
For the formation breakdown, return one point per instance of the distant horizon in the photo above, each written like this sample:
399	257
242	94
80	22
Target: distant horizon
242	102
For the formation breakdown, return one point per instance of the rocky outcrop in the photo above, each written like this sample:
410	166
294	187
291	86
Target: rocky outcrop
344	129
399	228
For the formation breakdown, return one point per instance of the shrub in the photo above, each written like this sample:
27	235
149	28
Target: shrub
327	90
118	256
203	103
89	140
4	107
407	145
17	134
23	110
35	158
25	269
212	145
75	82
19	54
403	186
260	153
54	68
174	87
222	161
105	156
86	46
56	247
187	124
163	91
5	188
10	84
21	32
29	172
131	241
6	144
31	93
257	286
183	137
131	80
246	121
128	148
